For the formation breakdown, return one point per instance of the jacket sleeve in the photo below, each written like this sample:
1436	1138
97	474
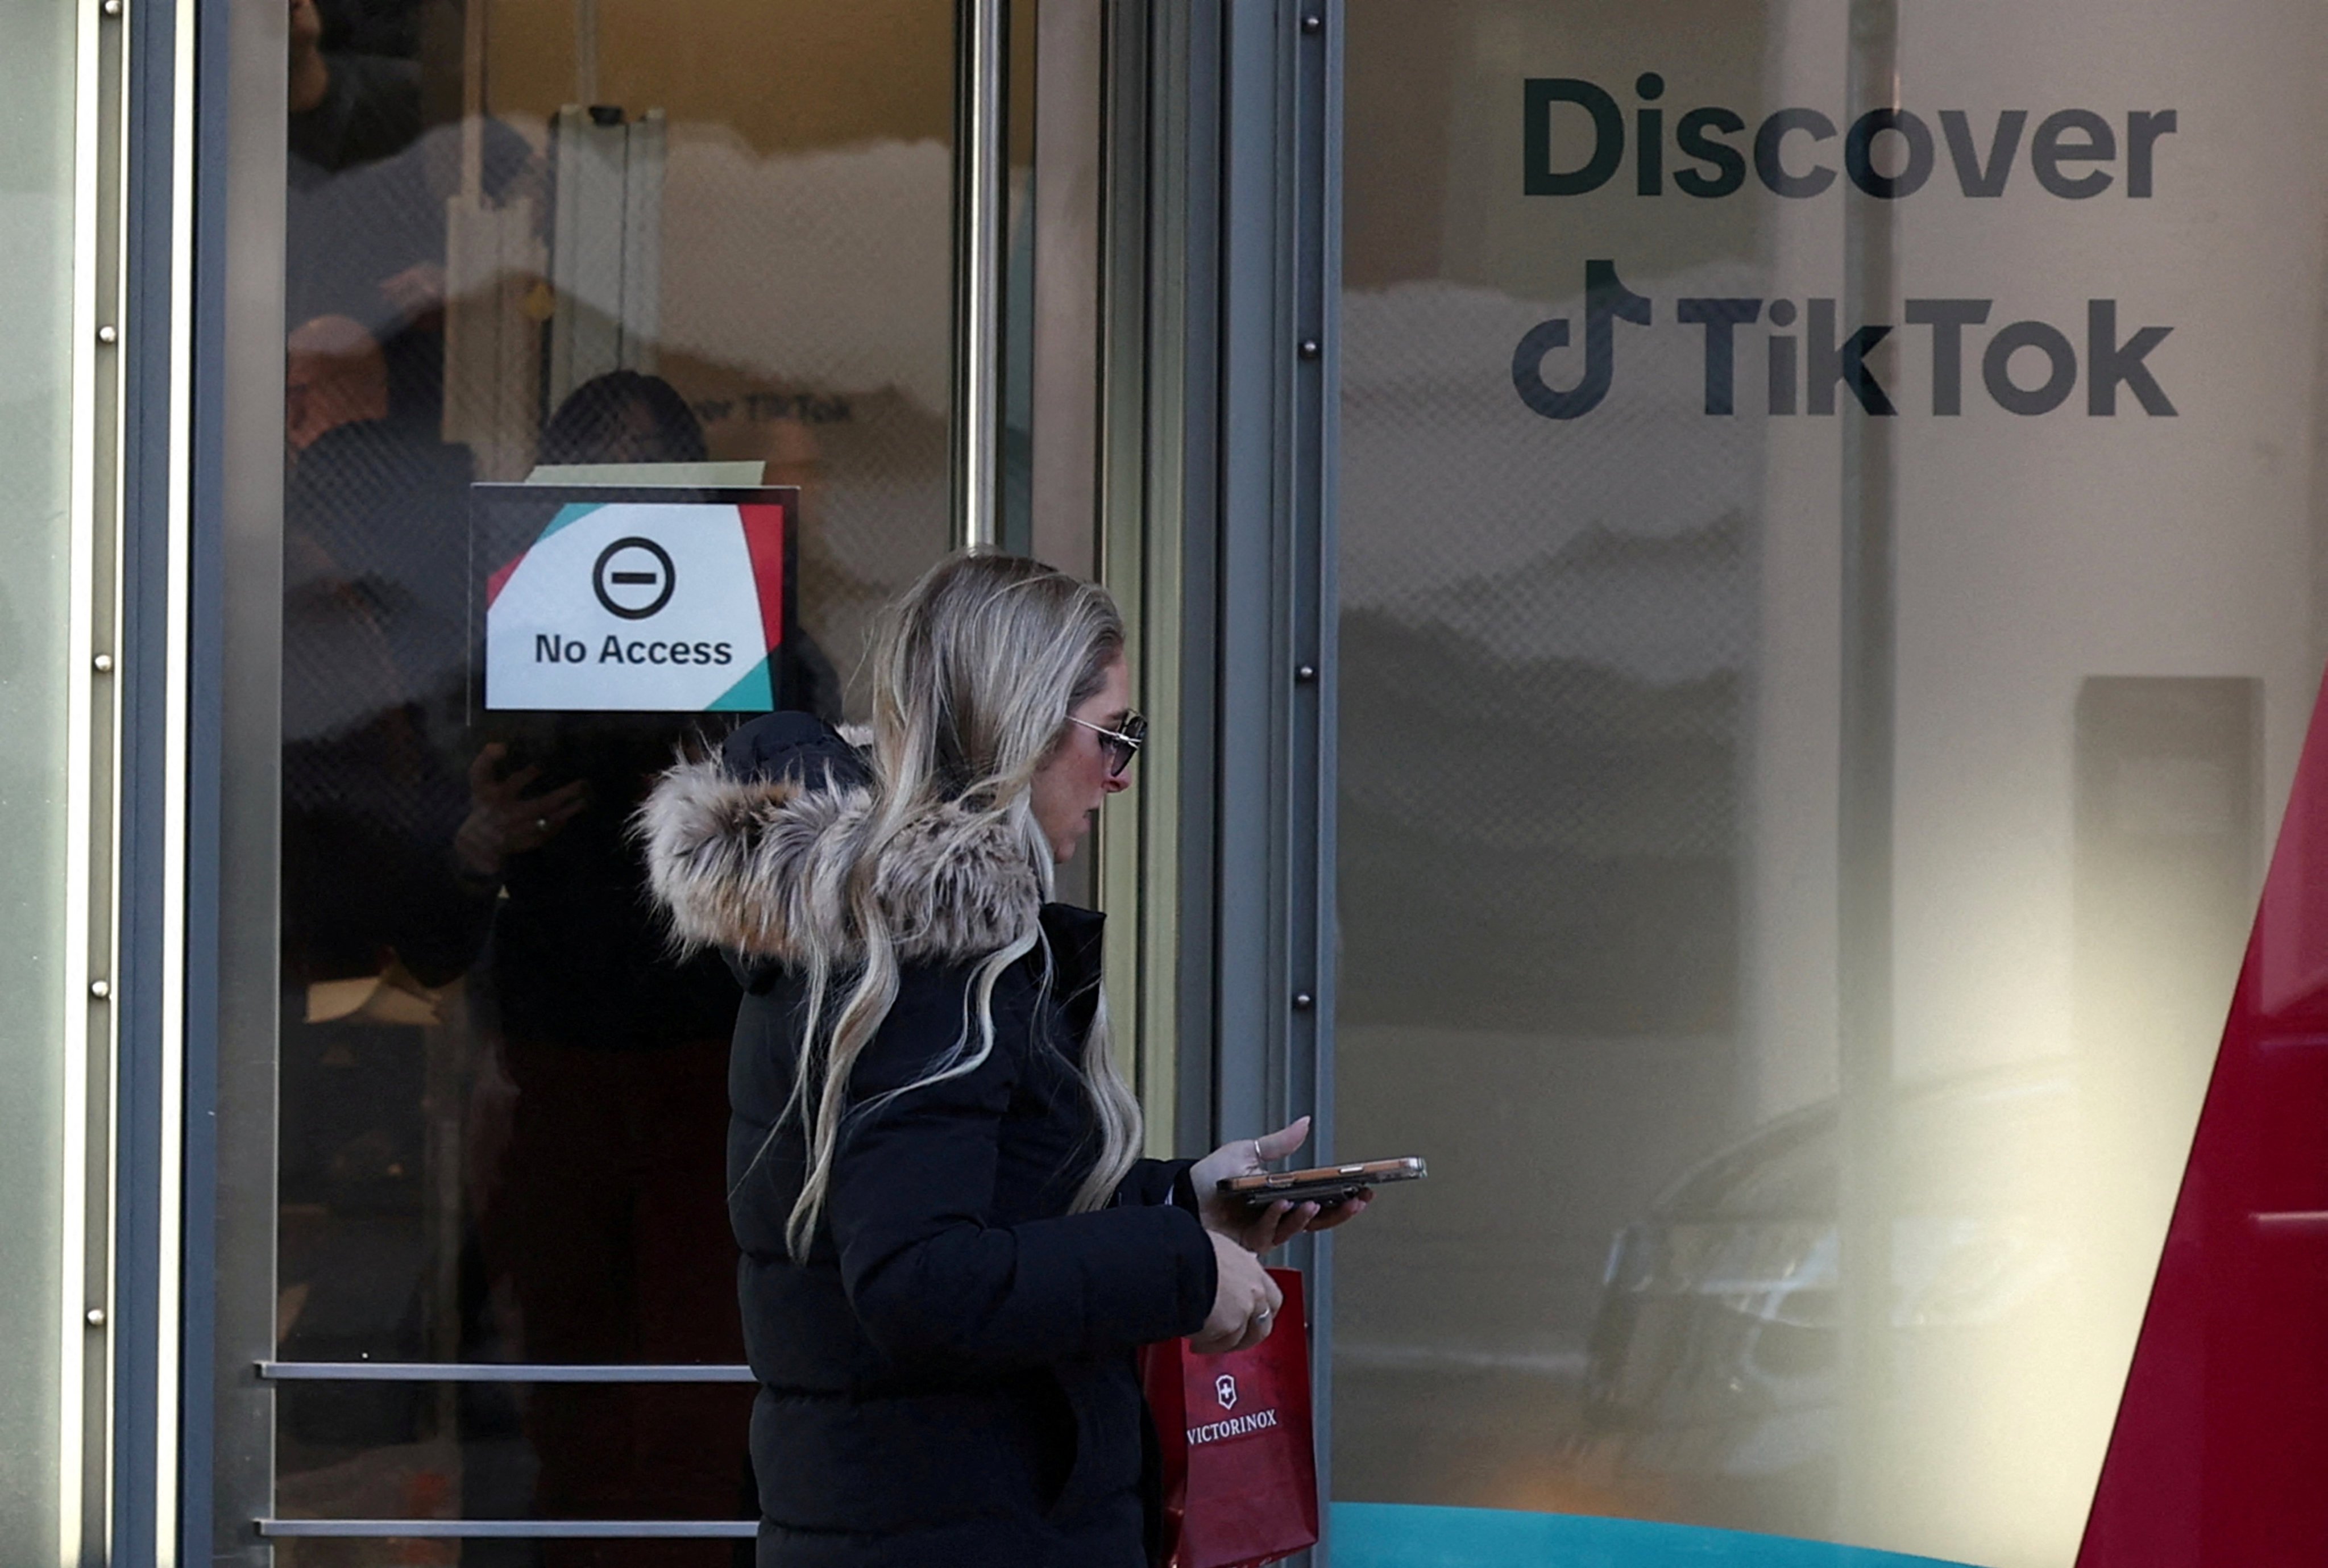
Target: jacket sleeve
1159	1181
913	1179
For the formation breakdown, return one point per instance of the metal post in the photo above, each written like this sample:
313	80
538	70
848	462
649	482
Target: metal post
1868	726
1074	139
87	973
585	55
233	978
1185	173
981	155
150	678
1279	172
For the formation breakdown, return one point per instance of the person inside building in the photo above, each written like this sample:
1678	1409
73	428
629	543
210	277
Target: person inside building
377	498
629	417
625	416
951	1245
602	1215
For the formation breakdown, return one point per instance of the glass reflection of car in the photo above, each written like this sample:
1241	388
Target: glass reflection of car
1711	1382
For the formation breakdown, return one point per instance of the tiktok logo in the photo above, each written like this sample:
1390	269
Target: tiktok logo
1607	301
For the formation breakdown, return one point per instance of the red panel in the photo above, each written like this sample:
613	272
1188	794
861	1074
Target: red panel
499	579
764	536
2219	1459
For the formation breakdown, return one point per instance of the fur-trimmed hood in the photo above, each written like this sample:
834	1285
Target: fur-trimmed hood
735	845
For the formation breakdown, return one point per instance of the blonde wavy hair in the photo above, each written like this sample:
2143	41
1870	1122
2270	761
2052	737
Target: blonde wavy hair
975	669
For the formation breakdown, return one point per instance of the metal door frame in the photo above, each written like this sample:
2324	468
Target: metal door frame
1248	260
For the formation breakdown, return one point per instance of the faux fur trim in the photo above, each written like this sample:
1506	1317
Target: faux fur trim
732	862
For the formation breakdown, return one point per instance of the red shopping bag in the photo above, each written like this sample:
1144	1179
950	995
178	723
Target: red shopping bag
1240	1473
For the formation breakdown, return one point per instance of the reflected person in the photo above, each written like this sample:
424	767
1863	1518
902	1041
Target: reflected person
367	183
604	1213
382	897
627	416
373	486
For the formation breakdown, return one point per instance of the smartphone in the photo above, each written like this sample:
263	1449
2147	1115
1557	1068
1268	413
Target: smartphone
1326	1185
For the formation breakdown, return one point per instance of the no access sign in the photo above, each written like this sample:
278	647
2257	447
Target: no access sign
611	599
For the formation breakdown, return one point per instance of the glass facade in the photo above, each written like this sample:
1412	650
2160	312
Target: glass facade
1831	525
39	1011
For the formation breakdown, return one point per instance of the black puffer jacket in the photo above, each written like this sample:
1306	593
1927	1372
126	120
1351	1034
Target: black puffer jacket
948	1378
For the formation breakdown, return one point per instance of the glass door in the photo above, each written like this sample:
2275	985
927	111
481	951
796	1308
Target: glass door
549	270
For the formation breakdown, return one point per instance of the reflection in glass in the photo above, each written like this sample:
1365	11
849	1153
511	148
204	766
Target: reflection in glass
1802	979
522	234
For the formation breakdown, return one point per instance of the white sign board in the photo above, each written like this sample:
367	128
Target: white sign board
663	605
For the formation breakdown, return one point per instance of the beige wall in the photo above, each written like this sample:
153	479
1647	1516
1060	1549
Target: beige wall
787	75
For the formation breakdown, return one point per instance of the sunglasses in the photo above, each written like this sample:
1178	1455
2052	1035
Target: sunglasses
1123	744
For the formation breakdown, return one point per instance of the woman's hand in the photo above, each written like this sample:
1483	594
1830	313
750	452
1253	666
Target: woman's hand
1260	1227
503	819
1244	1303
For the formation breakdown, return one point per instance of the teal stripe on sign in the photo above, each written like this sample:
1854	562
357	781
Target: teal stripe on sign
752	695
1405	1535
571	512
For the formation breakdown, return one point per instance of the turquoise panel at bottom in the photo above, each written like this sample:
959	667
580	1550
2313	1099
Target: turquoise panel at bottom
1403	1536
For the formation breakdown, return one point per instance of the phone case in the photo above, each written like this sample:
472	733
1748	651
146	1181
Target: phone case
1327	1184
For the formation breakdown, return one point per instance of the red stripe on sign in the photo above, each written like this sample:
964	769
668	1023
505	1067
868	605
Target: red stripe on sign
2220	1457
500	580
764	536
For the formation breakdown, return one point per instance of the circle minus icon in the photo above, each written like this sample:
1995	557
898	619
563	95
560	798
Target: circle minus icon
634	578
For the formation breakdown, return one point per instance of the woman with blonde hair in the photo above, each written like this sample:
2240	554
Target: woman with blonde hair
951	1245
